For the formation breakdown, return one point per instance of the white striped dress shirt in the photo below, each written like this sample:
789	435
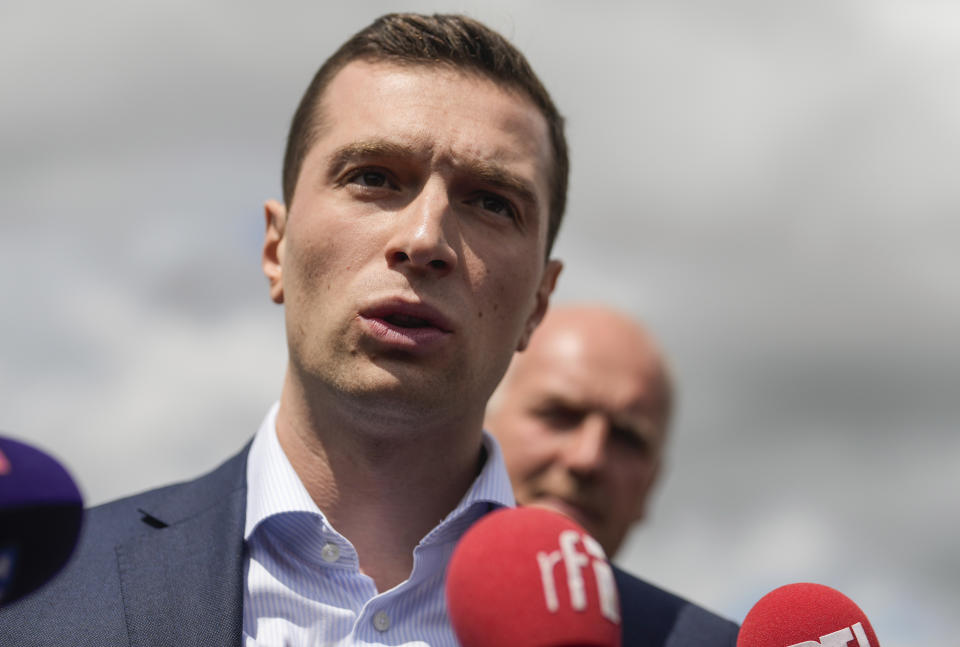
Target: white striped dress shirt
302	582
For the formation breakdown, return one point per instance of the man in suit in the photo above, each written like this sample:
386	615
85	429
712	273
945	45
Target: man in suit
424	181
582	417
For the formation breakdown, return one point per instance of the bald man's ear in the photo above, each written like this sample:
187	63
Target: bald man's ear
548	281
272	260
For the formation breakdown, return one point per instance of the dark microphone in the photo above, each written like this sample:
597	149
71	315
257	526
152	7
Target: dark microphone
41	511
806	615
529	577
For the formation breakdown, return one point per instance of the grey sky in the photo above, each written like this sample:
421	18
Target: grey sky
769	184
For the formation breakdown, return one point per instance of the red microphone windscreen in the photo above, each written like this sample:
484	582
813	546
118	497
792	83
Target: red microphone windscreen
806	615
529	577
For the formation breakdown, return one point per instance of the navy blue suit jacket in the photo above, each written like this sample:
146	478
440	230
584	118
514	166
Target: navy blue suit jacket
166	568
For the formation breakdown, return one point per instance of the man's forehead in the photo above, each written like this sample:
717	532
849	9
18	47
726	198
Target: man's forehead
581	390
384	77
596	343
563	374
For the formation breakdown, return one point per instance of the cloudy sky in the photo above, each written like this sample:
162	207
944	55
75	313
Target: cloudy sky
770	185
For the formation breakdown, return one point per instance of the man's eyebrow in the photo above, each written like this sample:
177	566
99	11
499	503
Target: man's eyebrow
485	171
365	149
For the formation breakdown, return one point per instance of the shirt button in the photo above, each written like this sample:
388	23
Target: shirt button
330	553
381	621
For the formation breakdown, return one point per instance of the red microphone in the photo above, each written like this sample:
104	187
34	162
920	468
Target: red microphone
806	615
529	577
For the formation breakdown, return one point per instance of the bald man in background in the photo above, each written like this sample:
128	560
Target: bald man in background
582	417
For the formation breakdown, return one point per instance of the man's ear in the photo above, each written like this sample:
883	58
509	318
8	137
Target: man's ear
272	261
547	282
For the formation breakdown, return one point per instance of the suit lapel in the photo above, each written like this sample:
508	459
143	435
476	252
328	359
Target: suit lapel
182	582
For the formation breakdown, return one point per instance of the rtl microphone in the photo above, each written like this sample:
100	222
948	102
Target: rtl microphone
806	615
41	512
529	577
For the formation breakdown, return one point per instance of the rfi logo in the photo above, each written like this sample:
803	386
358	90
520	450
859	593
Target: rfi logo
839	638
574	562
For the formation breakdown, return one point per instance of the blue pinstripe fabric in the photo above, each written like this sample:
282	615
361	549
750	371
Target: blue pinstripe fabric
302	583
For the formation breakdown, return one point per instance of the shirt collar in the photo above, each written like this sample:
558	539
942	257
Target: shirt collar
273	487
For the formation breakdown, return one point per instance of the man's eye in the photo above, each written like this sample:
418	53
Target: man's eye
633	439
560	418
370	178
495	204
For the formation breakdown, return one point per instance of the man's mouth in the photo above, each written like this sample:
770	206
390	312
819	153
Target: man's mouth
406	324
401	313
407	321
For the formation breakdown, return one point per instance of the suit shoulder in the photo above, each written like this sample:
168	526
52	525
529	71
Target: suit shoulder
170	503
82	604
655	617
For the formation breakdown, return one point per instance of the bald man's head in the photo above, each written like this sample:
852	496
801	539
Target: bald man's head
582	417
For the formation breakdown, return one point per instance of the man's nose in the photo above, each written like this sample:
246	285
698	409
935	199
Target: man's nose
585	450
422	233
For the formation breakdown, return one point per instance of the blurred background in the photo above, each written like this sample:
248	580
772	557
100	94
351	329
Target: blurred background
770	185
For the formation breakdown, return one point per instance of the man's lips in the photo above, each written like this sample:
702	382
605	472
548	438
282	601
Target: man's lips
405	324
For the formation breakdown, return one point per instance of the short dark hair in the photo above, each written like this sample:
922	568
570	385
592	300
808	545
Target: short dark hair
452	40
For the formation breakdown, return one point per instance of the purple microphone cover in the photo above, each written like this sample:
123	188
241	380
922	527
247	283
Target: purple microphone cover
41	512
29	477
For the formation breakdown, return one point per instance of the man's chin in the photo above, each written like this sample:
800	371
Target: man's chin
394	390
574	512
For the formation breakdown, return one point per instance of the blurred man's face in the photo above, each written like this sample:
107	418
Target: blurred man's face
411	260
581	421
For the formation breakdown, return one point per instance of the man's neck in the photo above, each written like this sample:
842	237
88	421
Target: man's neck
382	489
